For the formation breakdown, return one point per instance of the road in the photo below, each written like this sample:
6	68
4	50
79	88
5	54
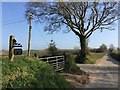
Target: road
103	74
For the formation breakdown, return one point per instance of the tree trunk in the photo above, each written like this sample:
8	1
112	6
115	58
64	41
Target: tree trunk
83	51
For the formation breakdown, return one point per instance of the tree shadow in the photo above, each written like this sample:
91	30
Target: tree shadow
81	60
109	58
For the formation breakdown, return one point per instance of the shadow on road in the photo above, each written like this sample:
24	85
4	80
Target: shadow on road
103	74
109	58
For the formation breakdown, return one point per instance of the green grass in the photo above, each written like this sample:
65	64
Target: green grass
30	73
93	57
38	52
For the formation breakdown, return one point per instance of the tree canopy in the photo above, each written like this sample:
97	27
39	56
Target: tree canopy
82	18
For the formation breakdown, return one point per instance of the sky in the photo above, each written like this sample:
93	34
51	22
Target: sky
15	12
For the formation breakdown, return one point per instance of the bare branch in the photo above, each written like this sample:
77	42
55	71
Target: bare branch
82	18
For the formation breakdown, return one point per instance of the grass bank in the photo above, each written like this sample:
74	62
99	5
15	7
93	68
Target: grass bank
30	73
91	59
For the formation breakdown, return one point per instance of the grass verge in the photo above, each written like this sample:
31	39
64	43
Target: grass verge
91	59
30	73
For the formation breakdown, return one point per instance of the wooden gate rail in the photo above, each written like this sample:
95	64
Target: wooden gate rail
57	62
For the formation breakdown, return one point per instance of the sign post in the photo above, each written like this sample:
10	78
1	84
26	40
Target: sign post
17	51
11	48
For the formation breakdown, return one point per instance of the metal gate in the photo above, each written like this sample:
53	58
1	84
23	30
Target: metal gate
57	62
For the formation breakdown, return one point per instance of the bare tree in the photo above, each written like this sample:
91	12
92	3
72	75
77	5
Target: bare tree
82	18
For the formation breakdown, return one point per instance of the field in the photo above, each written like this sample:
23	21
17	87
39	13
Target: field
41	53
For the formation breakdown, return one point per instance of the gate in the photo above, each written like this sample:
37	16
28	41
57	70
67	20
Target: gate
57	62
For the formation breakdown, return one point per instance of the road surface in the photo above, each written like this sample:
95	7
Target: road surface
103	74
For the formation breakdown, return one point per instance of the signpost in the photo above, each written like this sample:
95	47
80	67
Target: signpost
11	48
14	51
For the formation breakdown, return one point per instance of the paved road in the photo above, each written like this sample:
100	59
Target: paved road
103	74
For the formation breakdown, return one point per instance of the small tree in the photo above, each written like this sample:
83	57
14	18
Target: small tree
111	48
103	48
52	48
118	50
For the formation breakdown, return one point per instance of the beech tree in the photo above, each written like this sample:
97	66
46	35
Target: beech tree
82	18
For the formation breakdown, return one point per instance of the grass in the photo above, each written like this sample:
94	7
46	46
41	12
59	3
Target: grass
30	73
38	52
93	57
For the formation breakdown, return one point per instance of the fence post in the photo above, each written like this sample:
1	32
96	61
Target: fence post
11	48
65	58
47	60
63	62
57	67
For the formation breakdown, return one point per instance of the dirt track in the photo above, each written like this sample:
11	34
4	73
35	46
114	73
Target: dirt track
103	74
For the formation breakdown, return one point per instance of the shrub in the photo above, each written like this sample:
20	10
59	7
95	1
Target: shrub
30	73
103	48
115	56
78	59
52	48
70	65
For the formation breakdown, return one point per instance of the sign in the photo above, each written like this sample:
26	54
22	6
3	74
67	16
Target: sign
17	51
17	45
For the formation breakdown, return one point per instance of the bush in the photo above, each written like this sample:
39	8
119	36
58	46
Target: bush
52	48
30	73
78	59
103	48
115	56
70	65
97	50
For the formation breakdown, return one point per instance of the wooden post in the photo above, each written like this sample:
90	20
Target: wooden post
29	37
57	65
11	48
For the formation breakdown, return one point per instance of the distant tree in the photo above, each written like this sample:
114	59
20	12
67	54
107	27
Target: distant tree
52	48
103	48
82	18
118	50
111	48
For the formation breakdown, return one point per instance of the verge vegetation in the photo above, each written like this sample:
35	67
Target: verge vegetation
30	73
71	67
116	56
91	59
